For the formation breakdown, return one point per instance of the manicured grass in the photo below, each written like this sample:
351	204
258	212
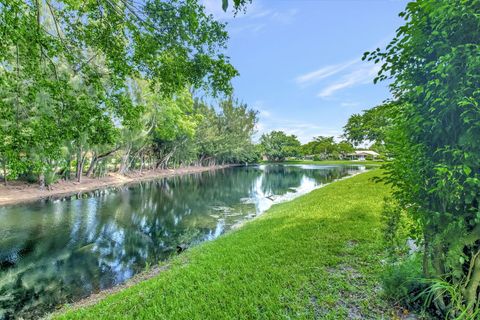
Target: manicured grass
316	257
331	162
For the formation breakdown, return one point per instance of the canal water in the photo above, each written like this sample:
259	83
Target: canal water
57	251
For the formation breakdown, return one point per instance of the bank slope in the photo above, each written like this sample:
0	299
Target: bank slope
317	256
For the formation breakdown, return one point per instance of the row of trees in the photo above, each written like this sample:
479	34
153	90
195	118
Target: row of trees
326	148
90	84
431	129
277	146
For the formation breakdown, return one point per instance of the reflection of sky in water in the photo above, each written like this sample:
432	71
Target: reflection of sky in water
265	200
56	251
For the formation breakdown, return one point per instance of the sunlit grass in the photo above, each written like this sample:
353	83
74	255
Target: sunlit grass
315	257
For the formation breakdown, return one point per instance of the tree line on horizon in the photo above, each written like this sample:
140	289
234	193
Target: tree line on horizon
93	86
278	146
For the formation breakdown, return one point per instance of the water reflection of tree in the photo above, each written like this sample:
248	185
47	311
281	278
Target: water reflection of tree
328	174
71	248
76	247
280	179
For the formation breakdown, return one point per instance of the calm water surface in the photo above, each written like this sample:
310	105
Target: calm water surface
58	251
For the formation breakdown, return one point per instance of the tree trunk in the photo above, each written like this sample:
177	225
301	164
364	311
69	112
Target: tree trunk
92	165
80	160
439	268
426	251
124	164
4	164
142	162
41	180
471	289
68	170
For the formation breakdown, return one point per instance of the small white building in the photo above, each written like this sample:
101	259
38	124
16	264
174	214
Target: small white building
361	155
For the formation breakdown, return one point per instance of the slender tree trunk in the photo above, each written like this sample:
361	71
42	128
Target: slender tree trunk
439	268
426	251
41	180
80	160
4	165
91	167
142	162
124	164
471	290
68	168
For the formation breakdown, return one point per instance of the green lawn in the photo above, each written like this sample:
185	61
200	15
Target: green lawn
330	162
316	257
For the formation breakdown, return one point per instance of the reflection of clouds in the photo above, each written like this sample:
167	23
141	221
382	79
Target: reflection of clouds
219	229
262	203
70	248
307	184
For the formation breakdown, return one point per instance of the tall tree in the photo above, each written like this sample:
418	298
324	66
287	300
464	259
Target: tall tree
277	145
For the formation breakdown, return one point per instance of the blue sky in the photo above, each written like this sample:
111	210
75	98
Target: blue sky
300	60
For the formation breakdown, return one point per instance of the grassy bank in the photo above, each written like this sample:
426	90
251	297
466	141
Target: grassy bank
315	257
331	162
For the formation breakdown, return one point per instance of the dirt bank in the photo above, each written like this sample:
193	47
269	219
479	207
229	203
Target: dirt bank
18	192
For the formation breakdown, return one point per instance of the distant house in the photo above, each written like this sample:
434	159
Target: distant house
361	155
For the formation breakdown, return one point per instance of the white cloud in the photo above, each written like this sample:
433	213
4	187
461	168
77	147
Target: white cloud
349	104
324	72
264	113
361	75
303	130
253	28
254	20
284	17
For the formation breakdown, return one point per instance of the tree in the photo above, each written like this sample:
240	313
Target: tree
225	137
66	72
327	148
434	63
277	145
344	148
371	125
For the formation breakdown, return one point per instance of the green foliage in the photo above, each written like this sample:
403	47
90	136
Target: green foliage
237	4
277	145
453	292
372	125
83	82
434	64
402	282
225	137
323	148
398	229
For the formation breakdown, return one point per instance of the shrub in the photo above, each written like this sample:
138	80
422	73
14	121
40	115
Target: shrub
402	282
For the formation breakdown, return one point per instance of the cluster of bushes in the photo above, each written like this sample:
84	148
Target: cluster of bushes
431	130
